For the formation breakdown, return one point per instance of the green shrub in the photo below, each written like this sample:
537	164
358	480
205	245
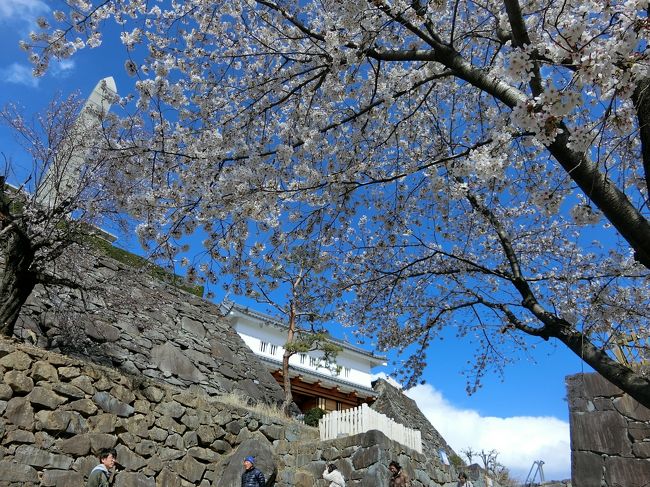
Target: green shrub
456	461
138	262
313	415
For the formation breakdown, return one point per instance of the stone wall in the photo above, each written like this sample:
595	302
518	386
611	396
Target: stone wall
56	412
127	319
402	409
362	459
610	435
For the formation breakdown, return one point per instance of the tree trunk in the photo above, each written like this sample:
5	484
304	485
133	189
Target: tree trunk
641	99
17	281
288	397
632	383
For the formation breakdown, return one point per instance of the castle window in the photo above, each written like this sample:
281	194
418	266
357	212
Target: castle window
313	361
274	349
303	357
346	371
263	346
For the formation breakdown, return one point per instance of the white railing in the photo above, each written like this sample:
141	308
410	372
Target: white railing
362	419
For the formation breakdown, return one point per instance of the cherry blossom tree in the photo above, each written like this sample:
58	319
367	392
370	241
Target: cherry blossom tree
475	166
292	281
56	204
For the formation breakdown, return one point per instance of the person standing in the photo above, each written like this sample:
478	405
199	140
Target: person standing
100	475
334	475
251	476
399	477
463	481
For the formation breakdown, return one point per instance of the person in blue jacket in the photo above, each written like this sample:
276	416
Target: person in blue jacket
251	476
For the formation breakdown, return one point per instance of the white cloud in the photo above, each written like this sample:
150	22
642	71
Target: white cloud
18	74
520	440
22	10
62	68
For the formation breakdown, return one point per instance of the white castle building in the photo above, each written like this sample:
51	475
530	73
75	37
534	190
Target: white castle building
343	385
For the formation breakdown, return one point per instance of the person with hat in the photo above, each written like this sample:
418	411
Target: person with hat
251	476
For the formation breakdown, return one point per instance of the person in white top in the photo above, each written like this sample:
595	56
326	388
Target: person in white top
463	481
335	477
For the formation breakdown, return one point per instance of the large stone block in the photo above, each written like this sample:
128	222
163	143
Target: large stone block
84	406
228	471
365	457
194	327
586	469
190	469
103	423
167	478
61	478
6	392
628	472
78	446
206	435
69	373
68	421
68	390
158	434
84	383
172	360
641	450
130	460
131	479
203	454
638	431
19	412
17	360
146	448
175	440
170	408
123	394
589	386
18	381
375	475
167	454
631	408
302	478
111	404
43	370
17	472
154	394
18	436
99	441
30	455
45	397
599	431
102	331
167	423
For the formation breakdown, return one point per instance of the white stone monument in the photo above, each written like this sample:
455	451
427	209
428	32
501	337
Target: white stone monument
61	179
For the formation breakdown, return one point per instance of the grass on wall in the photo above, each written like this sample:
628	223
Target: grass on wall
137	262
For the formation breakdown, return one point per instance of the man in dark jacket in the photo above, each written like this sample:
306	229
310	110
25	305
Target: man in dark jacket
101	473
252	477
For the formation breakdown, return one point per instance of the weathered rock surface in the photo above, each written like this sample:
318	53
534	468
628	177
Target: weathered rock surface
141	326
610	435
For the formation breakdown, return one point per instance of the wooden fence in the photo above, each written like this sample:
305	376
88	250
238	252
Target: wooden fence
362	419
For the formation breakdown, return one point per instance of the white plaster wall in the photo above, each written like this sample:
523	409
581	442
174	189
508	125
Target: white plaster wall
254	333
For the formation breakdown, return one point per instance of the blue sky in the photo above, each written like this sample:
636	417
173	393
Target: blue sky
524	416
